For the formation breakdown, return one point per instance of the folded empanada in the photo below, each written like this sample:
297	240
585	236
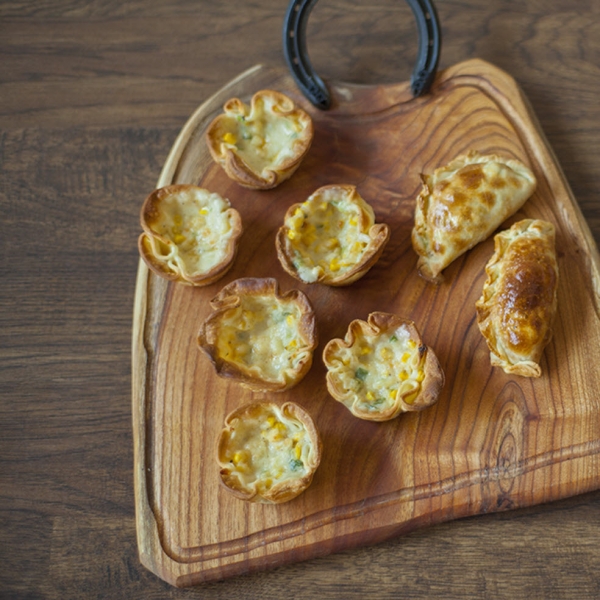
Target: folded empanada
462	204
516	310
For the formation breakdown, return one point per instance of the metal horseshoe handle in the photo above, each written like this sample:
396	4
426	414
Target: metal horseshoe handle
312	86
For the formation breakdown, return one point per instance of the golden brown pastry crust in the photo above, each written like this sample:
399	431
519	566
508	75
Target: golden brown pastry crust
357	365
462	204
517	308
279	349
331	238
261	145
185	260
271	471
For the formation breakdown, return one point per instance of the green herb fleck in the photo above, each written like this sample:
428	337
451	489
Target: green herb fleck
393	338
296	464
361	373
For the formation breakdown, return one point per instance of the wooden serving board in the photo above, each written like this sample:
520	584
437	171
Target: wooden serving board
492	442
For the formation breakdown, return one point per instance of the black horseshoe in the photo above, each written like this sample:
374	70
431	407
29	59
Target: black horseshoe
312	86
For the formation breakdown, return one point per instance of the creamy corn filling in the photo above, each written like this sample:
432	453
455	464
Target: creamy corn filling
262	138
262	335
197	229
326	236
268	448
379	369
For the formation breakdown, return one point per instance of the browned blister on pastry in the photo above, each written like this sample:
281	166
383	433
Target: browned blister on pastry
382	368
262	144
258	337
190	235
518	305
331	238
268	453
462	204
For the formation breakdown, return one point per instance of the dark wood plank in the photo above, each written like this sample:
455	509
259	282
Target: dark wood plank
92	96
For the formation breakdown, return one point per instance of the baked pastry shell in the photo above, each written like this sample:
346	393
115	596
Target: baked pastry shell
150	213
377	324
231	297
537	285
227	155
379	234
285	490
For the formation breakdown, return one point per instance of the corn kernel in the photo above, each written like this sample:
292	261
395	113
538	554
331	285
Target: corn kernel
291	234
353	221
298	451
403	375
178	238
204	211
292	345
366	350
298	212
334	265
393	394
412	344
405	357
271	420
411	398
386	353
332	243
369	396
229	138
237	458
289	320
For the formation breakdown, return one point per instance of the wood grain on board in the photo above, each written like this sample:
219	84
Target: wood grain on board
492	442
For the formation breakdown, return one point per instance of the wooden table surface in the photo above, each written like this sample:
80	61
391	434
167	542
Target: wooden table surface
92	96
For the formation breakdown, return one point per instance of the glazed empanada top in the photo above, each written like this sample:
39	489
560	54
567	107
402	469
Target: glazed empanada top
518	303
462	204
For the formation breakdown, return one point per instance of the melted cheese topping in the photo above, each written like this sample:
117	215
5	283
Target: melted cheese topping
262	138
379	368
328	235
268	447
262	335
197	230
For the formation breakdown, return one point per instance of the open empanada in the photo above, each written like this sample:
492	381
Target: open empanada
462	204
190	235
260	145
516	310
268	453
258	337
382	368
331	238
